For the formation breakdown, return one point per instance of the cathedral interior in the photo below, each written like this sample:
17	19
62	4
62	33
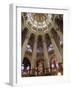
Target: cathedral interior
41	44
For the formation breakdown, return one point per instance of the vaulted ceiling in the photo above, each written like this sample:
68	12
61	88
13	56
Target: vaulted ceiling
40	25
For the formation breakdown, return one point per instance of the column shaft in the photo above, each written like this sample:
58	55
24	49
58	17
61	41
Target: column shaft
57	53
57	30
23	49
23	23
46	57
59	34
34	53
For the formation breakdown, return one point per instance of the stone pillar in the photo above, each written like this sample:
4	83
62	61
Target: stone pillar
59	34
46	57
23	25
61	38
57	30
57	53
34	53
23	49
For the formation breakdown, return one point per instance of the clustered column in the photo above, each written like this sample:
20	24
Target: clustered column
34	53
23	49
24	22
46	56
57	53
59	34
57	30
